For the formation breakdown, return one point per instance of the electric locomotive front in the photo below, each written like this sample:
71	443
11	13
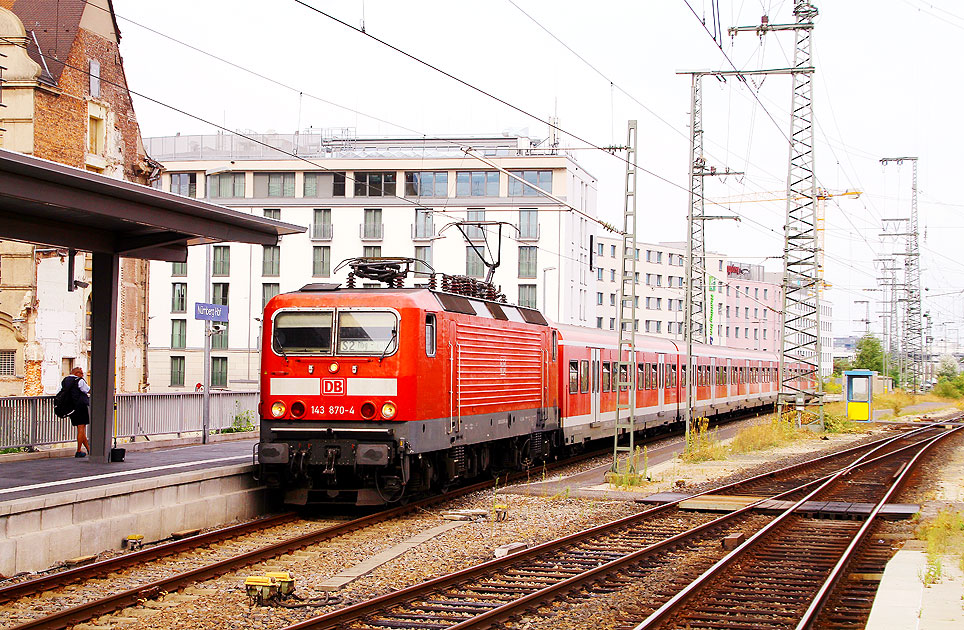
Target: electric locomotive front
338	380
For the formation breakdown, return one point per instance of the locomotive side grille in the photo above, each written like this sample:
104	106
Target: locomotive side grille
498	368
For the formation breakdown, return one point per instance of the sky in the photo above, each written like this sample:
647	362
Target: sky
885	86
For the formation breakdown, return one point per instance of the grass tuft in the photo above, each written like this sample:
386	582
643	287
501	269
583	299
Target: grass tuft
702	445
944	536
779	431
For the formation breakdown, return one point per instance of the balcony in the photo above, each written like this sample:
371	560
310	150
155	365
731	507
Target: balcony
371	231
321	231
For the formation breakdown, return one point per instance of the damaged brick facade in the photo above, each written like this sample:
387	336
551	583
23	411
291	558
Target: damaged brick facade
67	101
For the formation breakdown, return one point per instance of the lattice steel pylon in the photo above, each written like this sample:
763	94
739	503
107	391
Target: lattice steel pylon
801	279
801	248
626	363
913	338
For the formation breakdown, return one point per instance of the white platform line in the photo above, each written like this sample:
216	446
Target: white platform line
63	482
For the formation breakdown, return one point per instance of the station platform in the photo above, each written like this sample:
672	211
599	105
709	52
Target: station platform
55	507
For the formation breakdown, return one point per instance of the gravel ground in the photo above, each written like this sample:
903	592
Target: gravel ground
222	603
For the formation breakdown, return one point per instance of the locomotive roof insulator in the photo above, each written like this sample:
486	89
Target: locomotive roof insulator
390	270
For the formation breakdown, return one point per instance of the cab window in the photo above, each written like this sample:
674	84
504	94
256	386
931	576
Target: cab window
300	332
367	332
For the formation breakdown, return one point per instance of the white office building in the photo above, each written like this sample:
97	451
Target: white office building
365	197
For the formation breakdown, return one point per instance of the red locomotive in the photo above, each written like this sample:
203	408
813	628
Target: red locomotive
369	395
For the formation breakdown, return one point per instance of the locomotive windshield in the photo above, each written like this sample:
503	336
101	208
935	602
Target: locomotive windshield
303	332
367	332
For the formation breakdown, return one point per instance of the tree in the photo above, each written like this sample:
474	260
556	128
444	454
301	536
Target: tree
948	367
870	354
841	365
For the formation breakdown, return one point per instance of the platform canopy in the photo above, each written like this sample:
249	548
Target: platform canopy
48	203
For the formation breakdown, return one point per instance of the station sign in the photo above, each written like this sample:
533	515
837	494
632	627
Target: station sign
211	312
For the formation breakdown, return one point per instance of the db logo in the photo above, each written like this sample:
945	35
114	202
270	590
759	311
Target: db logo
333	386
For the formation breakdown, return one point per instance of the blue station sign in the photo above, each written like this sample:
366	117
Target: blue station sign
210	312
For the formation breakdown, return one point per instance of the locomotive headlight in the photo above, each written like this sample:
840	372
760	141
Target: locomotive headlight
278	409
389	410
332	367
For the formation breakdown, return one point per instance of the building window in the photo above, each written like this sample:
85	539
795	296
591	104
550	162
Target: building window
424	223
274	185
599	273
473	262
270	260
599	322
219	371
179	269
222	260
612	299
375	184
474	232
177	371
527	261
373	226
219	338
764	294
328	184
612	251
268	291
226	185
219	294
599	249
272	213
321	226
529	223
599	298
94	78
477	184
178	333
612	275
96	131
541	179
8	365
423	254
372	251
321	261
427	183
612	323
179	297
527	295
184	184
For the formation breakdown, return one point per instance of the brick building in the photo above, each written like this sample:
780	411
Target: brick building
66	101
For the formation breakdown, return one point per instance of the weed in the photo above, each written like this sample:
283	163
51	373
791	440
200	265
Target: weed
13	449
777	432
834	423
702	444
944	536
242	422
628	476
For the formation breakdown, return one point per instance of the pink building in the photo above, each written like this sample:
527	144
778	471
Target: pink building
753	308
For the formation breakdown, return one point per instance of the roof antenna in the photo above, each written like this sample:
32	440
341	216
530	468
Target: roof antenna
363	16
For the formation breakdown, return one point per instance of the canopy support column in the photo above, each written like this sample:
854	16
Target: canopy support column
105	280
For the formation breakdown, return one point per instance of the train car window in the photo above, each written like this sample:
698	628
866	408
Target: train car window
607	378
574	377
640	375
430	334
555	344
299	332
623	376
584	376
367	332
682	375
654	375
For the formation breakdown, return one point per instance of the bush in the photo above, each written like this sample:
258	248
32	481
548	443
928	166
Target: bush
702	444
832	387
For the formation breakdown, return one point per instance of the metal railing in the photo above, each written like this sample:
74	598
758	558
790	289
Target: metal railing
29	421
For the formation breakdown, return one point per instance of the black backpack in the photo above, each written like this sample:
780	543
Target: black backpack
63	401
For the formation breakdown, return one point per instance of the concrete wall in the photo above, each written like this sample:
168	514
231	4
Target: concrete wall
39	532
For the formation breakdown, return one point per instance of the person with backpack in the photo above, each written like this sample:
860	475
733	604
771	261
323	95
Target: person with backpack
73	401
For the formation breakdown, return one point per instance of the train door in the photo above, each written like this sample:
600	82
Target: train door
729	378
661	379
455	415
594	384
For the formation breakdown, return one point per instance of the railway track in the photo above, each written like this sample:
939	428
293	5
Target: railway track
74	613
784	575
604	557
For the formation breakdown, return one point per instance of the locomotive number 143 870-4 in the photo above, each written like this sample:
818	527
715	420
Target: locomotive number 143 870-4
332	410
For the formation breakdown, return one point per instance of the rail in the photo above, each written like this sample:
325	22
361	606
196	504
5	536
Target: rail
27	422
